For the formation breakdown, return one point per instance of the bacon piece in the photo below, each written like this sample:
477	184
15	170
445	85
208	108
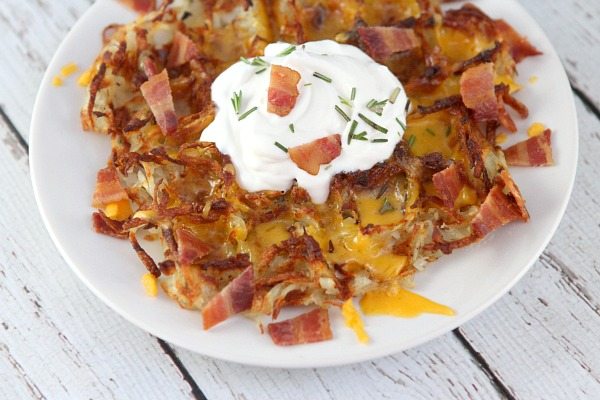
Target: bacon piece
140	6
477	91
108	188
498	208
182	50
234	298
380	42
283	90
520	47
143	255
157	92
106	226
310	156
533	152
309	327
190	249
448	184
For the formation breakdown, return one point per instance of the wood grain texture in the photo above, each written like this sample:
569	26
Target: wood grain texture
441	369
57	340
545	331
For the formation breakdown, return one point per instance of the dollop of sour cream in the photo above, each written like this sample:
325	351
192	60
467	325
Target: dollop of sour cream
332	74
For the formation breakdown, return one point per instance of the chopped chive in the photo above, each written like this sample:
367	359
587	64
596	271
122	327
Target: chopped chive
260	71
353	94
236	101
360	136
401	124
342	113
282	147
345	101
386	206
430	131
394	95
256	62
323	77
398	132
287	51
372	124
379	140
352	129
250	111
411	140
376	106
448	130
407	106
291	126
307	84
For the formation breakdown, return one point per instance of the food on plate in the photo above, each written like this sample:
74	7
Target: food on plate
306	153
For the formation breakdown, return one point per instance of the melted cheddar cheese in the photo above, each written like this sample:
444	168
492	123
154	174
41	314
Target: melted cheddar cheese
400	303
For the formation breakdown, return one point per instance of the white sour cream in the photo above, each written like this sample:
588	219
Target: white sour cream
250	142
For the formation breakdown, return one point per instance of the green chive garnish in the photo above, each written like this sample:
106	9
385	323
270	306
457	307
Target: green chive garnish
360	136
292	128
411	140
345	101
386	207
448	130
307	84
260	71
323	77
401	124
353	94
376	106
372	124
379	140
430	131
394	95
250	111
342	113
287	51
256	62
236	101
352	129
282	147
407	106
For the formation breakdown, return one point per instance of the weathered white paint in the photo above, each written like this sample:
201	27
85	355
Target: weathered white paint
58	341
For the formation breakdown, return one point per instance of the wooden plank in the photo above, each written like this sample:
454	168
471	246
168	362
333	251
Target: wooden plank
573	27
542	339
440	369
57	340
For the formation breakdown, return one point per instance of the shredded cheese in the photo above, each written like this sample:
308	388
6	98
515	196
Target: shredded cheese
150	284
85	78
354	321
68	70
57	81
501	138
536	129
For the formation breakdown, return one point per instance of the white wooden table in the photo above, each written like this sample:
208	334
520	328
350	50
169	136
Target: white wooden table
58	341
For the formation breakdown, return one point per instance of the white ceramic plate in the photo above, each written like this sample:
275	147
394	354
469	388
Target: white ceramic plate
64	162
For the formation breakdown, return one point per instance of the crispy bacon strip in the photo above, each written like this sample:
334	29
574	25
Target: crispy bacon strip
310	156
140	6
448	184
520	47
499	208
533	152
380	42
182	50
190	249
234	298
283	90
106	226
157	92
309	327
477	91
108	188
